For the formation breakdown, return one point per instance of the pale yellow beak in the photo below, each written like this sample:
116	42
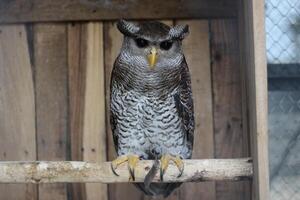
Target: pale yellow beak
152	58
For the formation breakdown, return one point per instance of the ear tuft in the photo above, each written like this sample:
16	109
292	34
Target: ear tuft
179	32
127	28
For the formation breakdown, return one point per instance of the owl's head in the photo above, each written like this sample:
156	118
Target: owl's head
152	44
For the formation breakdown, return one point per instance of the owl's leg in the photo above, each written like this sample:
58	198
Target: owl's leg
165	159
132	161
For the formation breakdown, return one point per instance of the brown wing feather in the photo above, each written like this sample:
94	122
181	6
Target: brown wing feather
113	118
184	103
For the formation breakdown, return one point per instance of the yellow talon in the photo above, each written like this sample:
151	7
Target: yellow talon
132	161
118	161
165	159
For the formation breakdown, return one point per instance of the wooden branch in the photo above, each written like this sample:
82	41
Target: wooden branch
72	171
70	10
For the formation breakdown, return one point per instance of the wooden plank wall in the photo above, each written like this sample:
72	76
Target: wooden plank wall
84	10
51	89
58	104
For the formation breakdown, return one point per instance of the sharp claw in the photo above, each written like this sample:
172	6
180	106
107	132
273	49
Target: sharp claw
180	172
118	161
132	161
178	162
164	165
165	159
113	169
162	172
131	172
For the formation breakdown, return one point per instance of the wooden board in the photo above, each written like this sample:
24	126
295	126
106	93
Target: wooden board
17	108
253	53
197	52
94	131
50	61
227	103
69	10
77	77
87	101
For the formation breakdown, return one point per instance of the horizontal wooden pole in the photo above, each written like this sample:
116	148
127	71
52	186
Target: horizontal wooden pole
70	10
83	172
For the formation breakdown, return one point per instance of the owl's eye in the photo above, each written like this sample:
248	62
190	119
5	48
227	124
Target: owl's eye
166	45
141	43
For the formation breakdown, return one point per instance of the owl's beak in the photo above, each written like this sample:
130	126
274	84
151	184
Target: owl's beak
152	58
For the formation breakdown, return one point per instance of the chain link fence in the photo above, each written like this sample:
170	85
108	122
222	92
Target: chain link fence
283	28
283	54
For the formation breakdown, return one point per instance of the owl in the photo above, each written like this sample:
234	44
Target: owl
151	100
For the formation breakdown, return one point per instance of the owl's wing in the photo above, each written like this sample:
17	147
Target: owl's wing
113	118
113	124
184	103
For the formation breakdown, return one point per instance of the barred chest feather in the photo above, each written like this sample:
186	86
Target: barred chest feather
147	125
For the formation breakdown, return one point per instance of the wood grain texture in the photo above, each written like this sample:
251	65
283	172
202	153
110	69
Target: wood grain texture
87	172
197	52
87	101
229	136
253	52
69	10
17	108
94	127
51	76
77	77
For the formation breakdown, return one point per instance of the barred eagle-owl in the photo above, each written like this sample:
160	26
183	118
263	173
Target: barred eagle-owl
151	99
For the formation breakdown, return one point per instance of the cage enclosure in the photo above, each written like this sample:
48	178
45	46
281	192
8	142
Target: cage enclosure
55	63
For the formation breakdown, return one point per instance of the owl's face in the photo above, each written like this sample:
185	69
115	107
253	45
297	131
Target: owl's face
152	45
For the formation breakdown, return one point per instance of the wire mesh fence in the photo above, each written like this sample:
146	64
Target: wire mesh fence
283	28
283	53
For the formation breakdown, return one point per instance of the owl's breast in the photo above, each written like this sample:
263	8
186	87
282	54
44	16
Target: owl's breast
147	123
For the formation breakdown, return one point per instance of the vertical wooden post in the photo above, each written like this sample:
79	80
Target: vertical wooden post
228	118
77	76
94	131
253	51
17	106
51	86
87	101
229	137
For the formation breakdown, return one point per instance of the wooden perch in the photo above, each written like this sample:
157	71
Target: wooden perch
83	172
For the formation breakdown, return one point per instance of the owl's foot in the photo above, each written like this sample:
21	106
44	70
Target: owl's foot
132	161
165	159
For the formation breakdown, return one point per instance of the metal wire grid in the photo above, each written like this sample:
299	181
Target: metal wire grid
283	30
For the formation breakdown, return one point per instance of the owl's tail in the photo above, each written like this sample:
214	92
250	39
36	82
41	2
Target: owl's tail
154	189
